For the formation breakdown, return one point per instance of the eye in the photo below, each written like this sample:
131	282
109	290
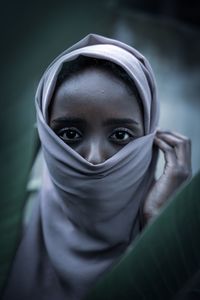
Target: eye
122	136
69	134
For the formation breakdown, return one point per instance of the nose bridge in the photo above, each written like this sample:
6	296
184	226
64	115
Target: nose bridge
95	151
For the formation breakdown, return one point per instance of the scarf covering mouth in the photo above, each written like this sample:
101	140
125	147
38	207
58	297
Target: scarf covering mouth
86	215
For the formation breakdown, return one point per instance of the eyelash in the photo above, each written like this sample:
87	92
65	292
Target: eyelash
72	129
75	131
122	130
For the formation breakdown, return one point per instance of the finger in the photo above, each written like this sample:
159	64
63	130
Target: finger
177	134
186	140
181	146
168	151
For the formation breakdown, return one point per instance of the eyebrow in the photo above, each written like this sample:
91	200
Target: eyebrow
68	120
113	121
116	121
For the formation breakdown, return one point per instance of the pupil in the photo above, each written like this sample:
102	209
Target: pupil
71	134
120	135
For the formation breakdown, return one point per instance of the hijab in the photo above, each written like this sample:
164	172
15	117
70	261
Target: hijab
86	215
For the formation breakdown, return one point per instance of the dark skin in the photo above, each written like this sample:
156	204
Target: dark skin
97	114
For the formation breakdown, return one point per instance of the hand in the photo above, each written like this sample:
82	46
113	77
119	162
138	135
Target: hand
177	170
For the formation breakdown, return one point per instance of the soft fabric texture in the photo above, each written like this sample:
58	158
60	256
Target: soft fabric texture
86	215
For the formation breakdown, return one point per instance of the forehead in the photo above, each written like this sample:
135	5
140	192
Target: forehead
82	63
94	87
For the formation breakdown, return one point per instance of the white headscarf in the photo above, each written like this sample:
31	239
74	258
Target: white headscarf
86	215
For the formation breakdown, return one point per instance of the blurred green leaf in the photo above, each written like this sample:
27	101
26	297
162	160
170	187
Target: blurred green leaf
16	156
164	261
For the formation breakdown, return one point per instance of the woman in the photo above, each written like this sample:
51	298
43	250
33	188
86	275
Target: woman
97	114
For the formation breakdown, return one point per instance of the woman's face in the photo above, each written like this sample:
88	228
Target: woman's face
96	114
